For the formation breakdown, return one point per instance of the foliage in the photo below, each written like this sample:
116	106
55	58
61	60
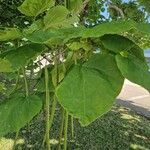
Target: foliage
83	79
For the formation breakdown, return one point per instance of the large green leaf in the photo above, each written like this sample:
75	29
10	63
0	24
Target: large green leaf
90	90
134	70
55	36
17	111
63	35
121	44
116	43
58	17
114	27
9	34
35	7
106	65
18	58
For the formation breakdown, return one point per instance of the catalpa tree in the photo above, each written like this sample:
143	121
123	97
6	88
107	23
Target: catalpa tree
69	62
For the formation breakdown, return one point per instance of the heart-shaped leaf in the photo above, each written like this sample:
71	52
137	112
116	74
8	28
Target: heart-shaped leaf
90	90
17	111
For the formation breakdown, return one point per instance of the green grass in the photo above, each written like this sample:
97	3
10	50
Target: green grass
120	129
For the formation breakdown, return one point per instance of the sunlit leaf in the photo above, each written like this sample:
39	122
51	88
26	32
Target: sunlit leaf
9	34
35	7
75	6
58	17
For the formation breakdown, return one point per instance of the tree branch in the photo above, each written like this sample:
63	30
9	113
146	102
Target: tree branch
83	6
117	9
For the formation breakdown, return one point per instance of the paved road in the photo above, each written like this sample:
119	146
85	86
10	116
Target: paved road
136	98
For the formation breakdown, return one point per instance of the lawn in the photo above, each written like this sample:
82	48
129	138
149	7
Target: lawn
120	129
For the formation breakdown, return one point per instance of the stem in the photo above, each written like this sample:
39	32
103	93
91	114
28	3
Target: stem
26	83
47	109
53	111
15	141
27	92
61	129
51	118
54	104
75	58
67	3
65	131
72	127
16	84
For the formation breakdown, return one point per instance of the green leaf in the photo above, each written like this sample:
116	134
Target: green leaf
89	91
35	7
5	66
75	6
61	36
137	52
10	34
116	43
36	25
143	28
134	70
121	44
55	36
106	64
58	17
114	27
17	58
17	111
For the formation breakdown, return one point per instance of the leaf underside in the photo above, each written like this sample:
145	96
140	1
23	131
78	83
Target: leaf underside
134	70
90	90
